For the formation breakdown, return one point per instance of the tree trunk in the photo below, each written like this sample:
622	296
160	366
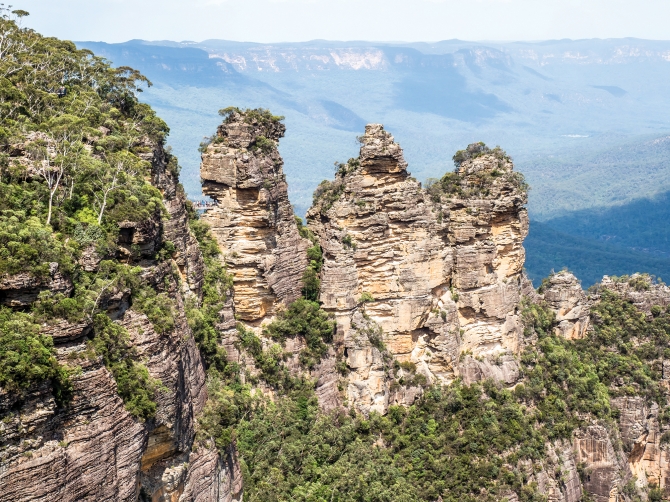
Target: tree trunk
102	208
51	198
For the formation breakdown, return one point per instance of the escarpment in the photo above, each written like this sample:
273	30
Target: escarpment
92	445
438	270
253	220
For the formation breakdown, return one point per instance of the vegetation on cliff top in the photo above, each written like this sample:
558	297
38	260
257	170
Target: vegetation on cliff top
75	151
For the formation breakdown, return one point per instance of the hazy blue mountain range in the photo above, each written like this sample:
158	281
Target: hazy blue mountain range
587	122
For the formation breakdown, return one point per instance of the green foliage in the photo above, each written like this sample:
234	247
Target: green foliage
158	307
205	239
311	284
462	184
564	385
342	170
90	288
366	297
73	143
449	185
27	358
73	159
536	318
206	141
263	144
134	385
475	150
348	242
625	345
327	193
228	401
28	245
166	251
454	443
315	257
304	318
457	442
268	361
257	115
217	285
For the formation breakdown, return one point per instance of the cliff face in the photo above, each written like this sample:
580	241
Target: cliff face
439	272
93	448
253	220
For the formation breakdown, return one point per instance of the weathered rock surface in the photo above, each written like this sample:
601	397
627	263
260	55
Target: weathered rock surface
640	290
89	451
640	429
443	272
253	220
605	469
565	296
20	290
187	257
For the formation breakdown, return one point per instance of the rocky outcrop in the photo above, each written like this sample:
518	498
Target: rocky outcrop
640	289
253	220
641	432
89	451
564	295
21	290
439	272
605	471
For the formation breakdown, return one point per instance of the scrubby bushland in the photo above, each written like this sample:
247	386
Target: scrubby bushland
26	357
304	318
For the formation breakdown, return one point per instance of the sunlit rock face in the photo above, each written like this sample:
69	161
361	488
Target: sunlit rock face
253	220
437	271
564	295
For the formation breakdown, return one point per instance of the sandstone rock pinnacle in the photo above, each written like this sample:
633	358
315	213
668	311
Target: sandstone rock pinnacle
437	269
253	220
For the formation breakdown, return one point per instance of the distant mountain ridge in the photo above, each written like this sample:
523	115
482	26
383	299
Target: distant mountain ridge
586	120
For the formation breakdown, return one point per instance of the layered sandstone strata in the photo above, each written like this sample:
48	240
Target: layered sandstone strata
438	273
253	220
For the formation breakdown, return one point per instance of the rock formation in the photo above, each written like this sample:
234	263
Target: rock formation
253	220
438	272
564	295
425	286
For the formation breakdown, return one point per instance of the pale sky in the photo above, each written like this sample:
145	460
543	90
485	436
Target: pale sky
375	20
